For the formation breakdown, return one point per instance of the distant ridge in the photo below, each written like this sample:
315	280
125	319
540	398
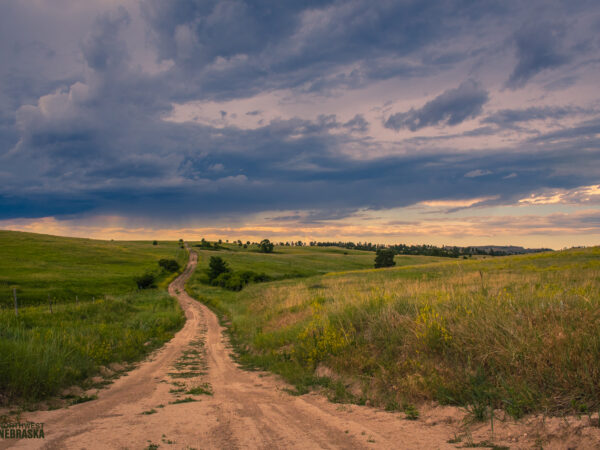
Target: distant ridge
433	250
510	249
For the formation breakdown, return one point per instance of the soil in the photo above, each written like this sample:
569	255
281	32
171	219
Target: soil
191	394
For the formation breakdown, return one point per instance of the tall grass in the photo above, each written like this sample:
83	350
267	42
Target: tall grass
297	262
518	333
41	351
39	266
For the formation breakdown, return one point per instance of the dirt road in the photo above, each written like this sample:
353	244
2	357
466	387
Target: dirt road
166	401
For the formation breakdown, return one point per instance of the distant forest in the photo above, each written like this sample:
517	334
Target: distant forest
398	249
432	250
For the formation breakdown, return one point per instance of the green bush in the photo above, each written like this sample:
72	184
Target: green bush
235	281
216	267
170	265
266	246
384	258
145	281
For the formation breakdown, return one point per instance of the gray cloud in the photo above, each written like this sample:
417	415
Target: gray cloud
582	132
511	117
82	104
306	46
357	123
102	48
267	169
450	108
539	46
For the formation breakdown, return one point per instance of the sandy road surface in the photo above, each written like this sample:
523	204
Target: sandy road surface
246	410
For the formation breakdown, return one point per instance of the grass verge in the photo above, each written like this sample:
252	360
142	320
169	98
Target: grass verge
44	350
40	353
518	333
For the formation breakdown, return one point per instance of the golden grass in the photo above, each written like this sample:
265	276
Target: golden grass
520	333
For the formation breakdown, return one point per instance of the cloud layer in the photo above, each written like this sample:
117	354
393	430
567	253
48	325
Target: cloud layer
177	112
452	107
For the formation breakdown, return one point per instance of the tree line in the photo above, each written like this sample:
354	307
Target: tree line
425	249
266	246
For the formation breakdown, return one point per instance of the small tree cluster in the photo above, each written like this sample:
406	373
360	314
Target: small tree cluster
217	266
220	274
170	265
206	245
266	246
145	281
384	258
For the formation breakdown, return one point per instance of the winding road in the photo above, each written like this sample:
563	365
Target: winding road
229	409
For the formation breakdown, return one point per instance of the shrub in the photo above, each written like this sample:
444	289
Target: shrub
145	281
384	258
206	245
216	267
235	281
221	279
170	265
265	246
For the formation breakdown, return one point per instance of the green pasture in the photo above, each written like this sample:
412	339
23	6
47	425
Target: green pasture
46	348
519	333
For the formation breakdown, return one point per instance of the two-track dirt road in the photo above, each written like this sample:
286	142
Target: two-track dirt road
247	409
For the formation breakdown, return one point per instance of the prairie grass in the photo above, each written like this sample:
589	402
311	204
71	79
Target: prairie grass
296	262
183	400
42	352
39	266
520	333
203	389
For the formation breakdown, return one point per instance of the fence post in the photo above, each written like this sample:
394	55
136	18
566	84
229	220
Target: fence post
16	304
50	303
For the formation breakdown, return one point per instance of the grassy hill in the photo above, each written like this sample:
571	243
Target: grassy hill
521	333
41	265
298	262
284	263
43	351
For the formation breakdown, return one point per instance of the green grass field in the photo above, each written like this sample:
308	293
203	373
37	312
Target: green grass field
284	263
520	333
296	262
42	352
41	265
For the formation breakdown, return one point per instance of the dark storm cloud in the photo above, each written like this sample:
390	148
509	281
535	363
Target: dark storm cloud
264	169
82	106
450	108
539	46
304	45
585	132
102	49
357	123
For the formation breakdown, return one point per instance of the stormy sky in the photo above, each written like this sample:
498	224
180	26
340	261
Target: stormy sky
444	122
